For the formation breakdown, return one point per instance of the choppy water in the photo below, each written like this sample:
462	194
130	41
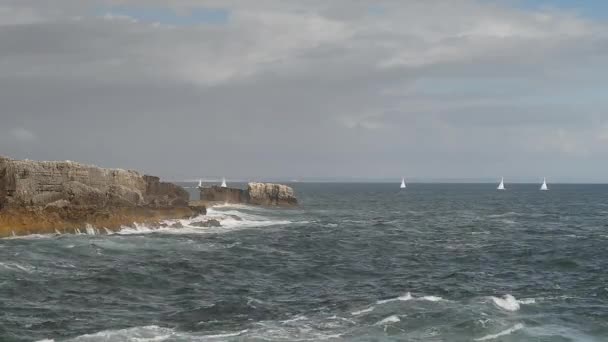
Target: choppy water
355	262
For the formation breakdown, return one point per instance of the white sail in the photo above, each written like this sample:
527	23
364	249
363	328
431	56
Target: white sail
200	183
224	183
402	183
501	186
544	186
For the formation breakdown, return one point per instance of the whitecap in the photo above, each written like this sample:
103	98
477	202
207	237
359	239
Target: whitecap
143	334
363	311
508	302
295	319
30	236
527	301
232	334
407	296
389	320
507	214
432	298
13	266
509	331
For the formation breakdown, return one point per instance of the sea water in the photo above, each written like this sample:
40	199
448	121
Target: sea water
354	262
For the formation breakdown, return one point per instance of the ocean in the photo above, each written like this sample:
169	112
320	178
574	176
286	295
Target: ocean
354	262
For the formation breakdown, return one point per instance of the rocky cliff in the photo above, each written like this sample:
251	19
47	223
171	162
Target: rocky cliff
271	194
42	196
256	193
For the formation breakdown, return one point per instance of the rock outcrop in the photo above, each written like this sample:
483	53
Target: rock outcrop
267	194
226	195
41	197
271	194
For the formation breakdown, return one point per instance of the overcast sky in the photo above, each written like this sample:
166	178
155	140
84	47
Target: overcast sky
316	88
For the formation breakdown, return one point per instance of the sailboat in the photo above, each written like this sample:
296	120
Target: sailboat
224	183
501	186
402	183
200	183
544	186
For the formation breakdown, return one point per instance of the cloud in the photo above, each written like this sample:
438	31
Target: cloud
23	135
290	88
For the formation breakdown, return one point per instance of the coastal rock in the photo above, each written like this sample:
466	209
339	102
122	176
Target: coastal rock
267	194
206	224
26	183
177	225
271	194
44	197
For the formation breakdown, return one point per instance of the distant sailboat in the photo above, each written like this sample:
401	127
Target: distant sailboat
402	183
501	186
544	186
224	183
200	183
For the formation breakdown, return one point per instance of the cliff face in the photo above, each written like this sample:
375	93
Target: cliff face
30	183
256	193
271	194
42	197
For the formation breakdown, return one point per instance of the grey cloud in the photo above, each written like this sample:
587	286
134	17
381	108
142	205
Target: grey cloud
295	89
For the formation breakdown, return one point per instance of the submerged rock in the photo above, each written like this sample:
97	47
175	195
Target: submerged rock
206	224
177	225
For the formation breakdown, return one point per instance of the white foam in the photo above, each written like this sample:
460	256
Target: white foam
509	331
363	311
407	296
527	301
295	319
31	236
389	320
508	302
141	334
13	266
151	333
233	334
508	214
432	298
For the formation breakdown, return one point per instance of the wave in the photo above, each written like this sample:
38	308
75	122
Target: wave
15	267
507	214
408	296
363	311
510	303
509	331
389	320
148	333
230	220
30	237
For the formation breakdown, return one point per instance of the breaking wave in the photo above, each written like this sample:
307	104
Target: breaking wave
509	331
510	303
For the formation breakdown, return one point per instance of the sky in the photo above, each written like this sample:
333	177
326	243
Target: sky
341	89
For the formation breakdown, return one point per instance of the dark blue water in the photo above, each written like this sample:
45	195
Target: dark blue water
355	262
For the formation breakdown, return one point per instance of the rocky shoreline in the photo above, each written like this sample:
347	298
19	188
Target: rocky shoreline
46	197
39	197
